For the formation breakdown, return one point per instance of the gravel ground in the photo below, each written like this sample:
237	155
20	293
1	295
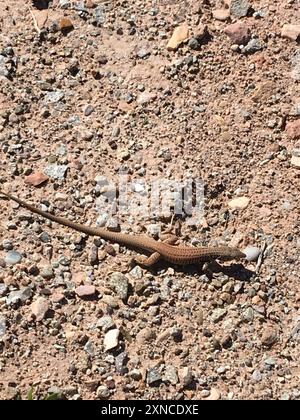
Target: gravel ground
160	89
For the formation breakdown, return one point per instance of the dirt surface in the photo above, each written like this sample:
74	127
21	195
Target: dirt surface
89	89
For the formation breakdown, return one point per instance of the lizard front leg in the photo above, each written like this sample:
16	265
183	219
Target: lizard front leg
148	262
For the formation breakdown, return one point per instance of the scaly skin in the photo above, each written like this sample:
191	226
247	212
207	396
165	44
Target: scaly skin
181	255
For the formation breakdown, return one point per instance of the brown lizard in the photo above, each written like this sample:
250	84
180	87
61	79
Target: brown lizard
181	255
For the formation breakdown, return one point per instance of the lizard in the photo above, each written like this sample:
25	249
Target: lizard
166	250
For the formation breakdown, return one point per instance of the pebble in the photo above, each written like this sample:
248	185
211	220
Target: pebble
103	392
238	32
89	348
118	282
248	314
218	314
106	323
120	363
252	253
13	257
3	69
194	44
54	97
256	375
19	295
36	179
64	4
145	98
295	161
239	203
239	8
55	171
180	35
143	53
144	335
2	326
65	24
136	272
186	376
47	272
111	339
7	244
85	290
292	129
214	395
221	14
88	110
269	337
99	15
3	289
39	308
153	376
170	375
253	46
135	374
291	32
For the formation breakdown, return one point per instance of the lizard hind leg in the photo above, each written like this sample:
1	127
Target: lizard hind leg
147	261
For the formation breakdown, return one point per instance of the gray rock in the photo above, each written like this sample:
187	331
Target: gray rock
88	110
55	171
2	326
13	257
54	97
137	272
135	374
118	282
45	237
256	376
7	245
103	392
239	8
218	314
64	4
3	289
99	15
90	348
47	272
3	70
253	46
19	295
120	363
105	323
143	53
153	230
170	375
153	376
270	361
194	44
248	314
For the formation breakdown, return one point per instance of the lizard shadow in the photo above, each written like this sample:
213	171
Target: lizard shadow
235	270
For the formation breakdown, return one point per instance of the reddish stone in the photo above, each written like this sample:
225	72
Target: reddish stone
36	179
293	129
85	290
291	32
238	32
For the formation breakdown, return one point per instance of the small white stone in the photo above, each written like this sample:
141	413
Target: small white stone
295	161
252	253
239	203
111	339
